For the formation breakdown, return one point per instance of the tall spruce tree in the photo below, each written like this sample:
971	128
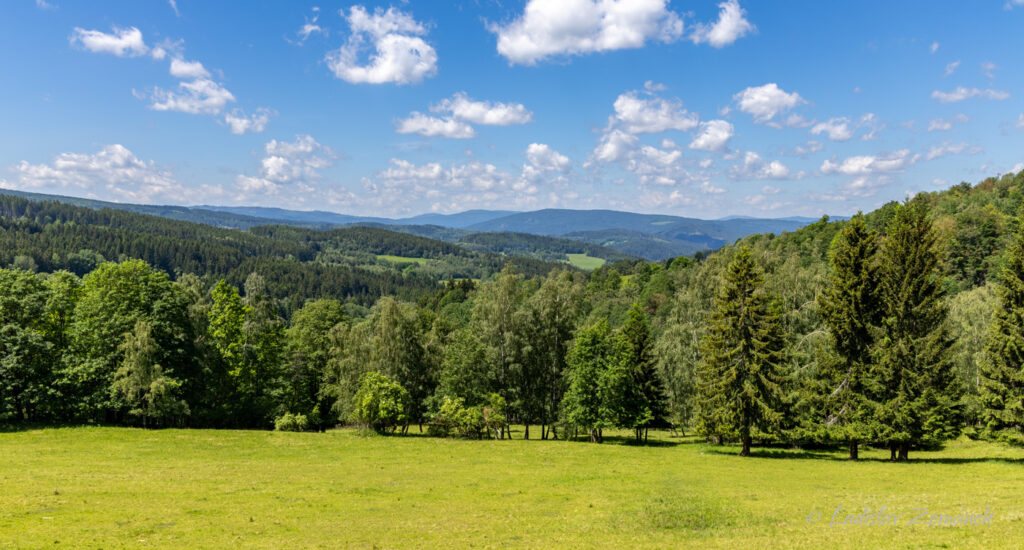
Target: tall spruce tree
742	372
1002	365
648	391
850	309
919	394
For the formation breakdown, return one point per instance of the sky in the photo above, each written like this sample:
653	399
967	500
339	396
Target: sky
702	108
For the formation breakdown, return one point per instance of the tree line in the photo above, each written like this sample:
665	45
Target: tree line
859	332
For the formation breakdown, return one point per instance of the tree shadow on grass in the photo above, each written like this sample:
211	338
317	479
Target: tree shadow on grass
801	454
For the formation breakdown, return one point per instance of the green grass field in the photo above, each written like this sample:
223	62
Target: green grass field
584	261
402	259
132	488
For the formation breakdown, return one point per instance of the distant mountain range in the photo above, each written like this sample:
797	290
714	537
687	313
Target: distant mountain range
651	236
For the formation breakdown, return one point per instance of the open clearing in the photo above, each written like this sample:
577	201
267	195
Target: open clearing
402	259
132	488
584	261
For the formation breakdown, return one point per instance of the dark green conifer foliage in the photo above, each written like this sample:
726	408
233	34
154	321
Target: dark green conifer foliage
850	309
919	398
1002	365
742	371
648	390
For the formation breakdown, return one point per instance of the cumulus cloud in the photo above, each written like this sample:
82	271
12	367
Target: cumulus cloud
730	27
640	115
122	42
542	164
188	69
755	167
551	28
961	93
240	123
944	124
765	102
426	125
614	146
714	135
200	96
462	107
113	173
288	163
400	54
948	148
837	129
459	112
895	161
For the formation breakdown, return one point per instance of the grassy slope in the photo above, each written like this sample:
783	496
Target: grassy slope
584	261
125	488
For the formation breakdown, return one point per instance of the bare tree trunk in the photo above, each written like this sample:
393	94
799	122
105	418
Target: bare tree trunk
892	451
526	432
853	449
904	451
645	434
746	445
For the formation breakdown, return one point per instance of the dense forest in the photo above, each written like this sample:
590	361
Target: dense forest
902	327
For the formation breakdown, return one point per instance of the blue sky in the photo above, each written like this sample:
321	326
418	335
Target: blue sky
703	108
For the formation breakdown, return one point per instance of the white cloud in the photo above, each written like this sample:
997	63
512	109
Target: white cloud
989	69
174	6
543	157
714	135
112	173
951	68
550	28
426	125
871	164
947	148
1020	121
122	42
614	146
297	164
837	129
639	115
770	190
542	163
961	93
944	124
240	123
754	167
709	188
934	47
44	5
483	112
310	27
200	96
811	147
188	69
400	55
765	102
1011	3
730	27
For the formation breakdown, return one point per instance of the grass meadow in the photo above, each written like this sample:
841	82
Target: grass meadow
586	262
131	488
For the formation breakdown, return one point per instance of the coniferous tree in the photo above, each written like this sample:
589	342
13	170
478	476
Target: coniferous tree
741	375
850	309
1002	364
647	387
918	401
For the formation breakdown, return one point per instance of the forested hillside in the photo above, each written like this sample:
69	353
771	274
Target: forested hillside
896	328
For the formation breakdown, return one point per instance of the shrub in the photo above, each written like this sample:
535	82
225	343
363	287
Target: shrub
380	403
289	422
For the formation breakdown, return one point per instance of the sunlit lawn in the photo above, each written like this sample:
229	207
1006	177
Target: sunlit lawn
128	488
584	261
